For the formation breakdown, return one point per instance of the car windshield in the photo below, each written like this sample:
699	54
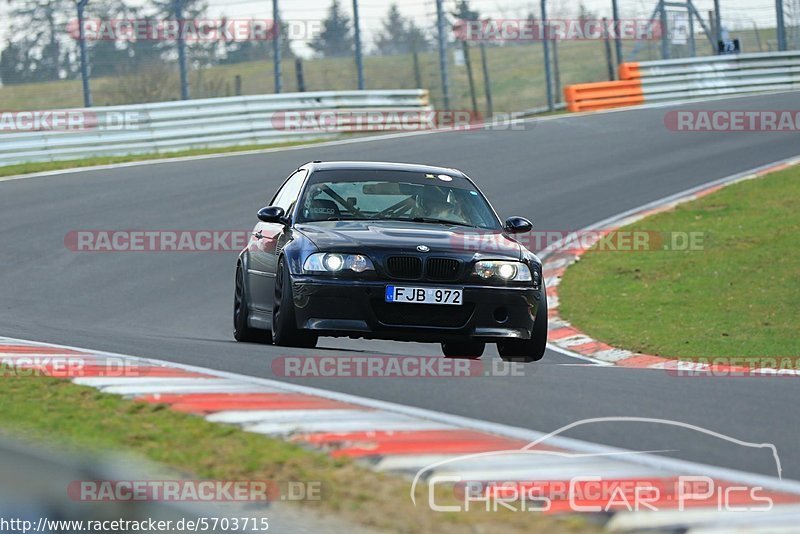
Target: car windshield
343	195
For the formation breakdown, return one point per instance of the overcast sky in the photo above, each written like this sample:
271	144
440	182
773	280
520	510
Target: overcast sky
735	13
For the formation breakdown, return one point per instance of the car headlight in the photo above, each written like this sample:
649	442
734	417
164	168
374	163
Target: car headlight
504	270
326	262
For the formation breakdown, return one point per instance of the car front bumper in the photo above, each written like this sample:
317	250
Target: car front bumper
354	308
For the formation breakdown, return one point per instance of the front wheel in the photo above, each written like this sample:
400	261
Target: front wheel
470	350
284	329
528	350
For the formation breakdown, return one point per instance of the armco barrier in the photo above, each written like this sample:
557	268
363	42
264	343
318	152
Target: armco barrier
195	124
684	79
603	95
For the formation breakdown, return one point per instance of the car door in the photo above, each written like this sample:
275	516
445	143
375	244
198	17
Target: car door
268	240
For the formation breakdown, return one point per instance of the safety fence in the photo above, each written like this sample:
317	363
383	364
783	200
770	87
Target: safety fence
157	128
686	79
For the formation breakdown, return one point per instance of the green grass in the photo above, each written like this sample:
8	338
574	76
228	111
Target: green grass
28	168
517	76
738	296
82	419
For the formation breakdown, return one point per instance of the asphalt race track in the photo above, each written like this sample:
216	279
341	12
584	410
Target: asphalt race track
563	174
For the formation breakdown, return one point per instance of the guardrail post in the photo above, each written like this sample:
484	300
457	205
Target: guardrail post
662	10
609	61
276	47
470	77
359	56
443	53
546	42
617	40
87	91
781	25
556	72
487	82
415	61
178	8
717	27
298	71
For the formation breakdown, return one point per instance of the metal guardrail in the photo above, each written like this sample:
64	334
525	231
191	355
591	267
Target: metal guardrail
194	124
718	75
685	79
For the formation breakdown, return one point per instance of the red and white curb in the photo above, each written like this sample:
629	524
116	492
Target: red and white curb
570	340
400	439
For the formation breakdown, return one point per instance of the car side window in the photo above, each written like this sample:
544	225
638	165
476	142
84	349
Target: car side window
287	195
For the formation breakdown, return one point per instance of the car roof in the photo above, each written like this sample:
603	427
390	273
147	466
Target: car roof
380	165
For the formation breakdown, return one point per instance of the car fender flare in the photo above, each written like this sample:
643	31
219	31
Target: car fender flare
243	263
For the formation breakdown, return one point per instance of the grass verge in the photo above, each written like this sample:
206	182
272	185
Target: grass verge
737	296
44	166
84	419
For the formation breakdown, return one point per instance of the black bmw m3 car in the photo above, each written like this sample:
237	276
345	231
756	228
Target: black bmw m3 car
390	251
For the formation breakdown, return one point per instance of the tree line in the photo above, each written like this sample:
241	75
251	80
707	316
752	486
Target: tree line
39	47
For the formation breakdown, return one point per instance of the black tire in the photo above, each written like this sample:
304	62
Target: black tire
242	332
528	350
470	350
284	329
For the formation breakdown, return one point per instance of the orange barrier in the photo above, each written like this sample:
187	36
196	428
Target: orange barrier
603	95
629	71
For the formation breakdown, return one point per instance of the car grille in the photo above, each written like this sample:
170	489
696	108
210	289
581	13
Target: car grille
442	269
406	267
433	315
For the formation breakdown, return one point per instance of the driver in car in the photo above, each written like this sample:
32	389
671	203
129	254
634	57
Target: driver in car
435	204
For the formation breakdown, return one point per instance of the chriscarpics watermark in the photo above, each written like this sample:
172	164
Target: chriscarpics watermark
608	494
605	486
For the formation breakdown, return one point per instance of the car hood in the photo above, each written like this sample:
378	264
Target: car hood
401	236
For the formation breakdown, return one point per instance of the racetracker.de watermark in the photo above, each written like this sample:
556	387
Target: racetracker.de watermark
375	366
735	367
236	240
595	240
28	366
204	491
157	240
392	120
190	30
67	120
515	30
786	120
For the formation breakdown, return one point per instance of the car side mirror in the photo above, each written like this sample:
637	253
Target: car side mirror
272	214
518	225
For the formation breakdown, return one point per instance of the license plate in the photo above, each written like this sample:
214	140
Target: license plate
424	295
